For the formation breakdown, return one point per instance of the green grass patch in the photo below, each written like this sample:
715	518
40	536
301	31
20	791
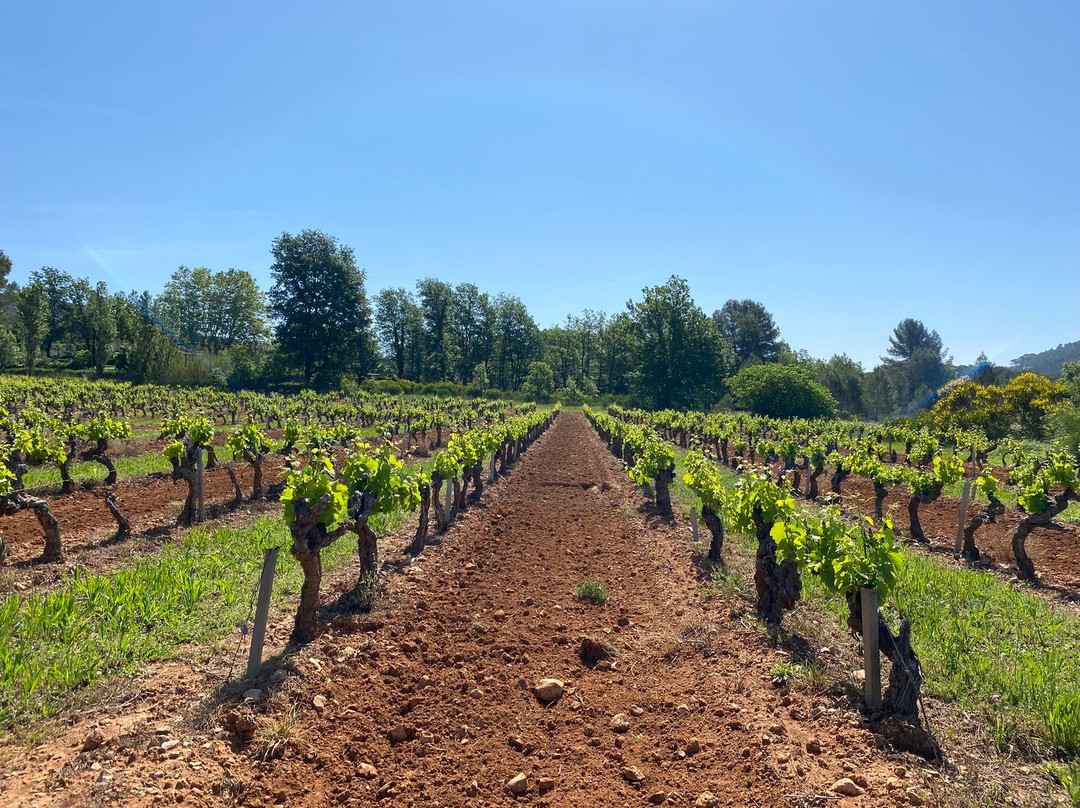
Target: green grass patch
592	590
96	626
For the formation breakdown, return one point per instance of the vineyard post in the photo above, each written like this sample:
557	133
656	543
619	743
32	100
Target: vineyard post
694	525
871	654
199	476
449	498
491	469
965	498
262	610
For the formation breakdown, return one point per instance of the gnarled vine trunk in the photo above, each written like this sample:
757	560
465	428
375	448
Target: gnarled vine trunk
880	492
99	454
420	539
309	538
778	584
477	473
442	518
811	482
913	510
1054	506
716	528
21	501
838	477
987	516
662	486
901	697
123	526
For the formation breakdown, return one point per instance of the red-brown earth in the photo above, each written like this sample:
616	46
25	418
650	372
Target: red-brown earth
686	703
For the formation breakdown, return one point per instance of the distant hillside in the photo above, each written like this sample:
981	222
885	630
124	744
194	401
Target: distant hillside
1049	362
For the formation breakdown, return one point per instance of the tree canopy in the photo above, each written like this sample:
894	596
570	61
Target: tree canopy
322	311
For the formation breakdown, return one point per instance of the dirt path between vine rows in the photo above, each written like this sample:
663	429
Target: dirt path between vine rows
429	702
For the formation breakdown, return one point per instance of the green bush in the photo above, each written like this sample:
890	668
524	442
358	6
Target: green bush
81	360
782	391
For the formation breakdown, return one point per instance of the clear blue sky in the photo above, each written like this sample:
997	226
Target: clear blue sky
845	163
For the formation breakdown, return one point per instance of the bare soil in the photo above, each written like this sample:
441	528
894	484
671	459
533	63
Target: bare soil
452	656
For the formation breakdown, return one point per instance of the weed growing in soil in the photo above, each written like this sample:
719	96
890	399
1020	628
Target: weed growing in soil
810	677
592	590
1068	777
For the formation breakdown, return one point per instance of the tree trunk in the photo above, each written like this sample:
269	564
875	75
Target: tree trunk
1054	506
211	458
723	450
123	526
778	584
716	528
987	516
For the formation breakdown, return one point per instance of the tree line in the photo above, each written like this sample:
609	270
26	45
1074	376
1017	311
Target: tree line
317	327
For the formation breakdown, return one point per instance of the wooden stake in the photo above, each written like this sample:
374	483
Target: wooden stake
871	655
491	470
964	500
449	498
694	525
262	611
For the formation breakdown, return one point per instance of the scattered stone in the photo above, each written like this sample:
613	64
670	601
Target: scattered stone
319	702
549	690
658	798
592	651
172	743
401	733
706	799
254	694
473	789
846	787
915	797
93	741
500	614
427	738
278	676
545	784
620	723
476	693
518	784
632	774
624	622
776	729
813	747
367	771
636	711
517	743
692	747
